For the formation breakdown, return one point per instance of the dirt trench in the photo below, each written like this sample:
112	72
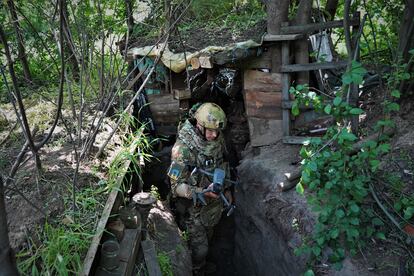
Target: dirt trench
258	238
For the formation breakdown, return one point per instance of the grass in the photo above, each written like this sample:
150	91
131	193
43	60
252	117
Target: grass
165	264
58	248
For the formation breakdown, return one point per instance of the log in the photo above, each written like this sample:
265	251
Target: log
195	63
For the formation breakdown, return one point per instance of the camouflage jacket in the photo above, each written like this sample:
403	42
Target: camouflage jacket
192	150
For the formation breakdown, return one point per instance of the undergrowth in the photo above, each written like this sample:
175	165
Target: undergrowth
339	176
60	245
58	248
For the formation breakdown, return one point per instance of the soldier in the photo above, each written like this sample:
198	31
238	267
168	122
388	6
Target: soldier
200	143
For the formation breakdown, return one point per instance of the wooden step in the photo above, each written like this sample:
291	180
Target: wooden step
290	68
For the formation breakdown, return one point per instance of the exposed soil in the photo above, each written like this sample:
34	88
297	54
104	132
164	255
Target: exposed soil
32	200
198	38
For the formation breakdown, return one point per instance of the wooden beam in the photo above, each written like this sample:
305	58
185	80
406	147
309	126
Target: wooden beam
312	66
285	90
297	140
111	206
314	27
150	257
289	104
284	37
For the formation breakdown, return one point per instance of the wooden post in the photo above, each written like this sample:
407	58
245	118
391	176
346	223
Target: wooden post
285	89
354	93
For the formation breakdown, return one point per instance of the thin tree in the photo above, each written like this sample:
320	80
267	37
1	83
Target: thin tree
19	37
7	260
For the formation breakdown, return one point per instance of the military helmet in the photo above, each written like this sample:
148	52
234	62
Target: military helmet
210	115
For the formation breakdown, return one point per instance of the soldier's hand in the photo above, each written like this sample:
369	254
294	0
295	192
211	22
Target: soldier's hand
229	196
211	194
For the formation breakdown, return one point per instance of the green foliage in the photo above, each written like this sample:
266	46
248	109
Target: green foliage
336	180
165	264
60	246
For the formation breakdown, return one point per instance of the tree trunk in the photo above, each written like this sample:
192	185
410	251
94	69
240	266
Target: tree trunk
406	41
7	260
277	12
303	16
129	15
23	117
22	52
331	7
69	46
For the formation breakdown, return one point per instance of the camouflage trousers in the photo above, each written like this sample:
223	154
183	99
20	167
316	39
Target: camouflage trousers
200	225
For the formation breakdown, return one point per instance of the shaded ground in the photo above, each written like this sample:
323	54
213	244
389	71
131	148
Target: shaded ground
198	38
32	200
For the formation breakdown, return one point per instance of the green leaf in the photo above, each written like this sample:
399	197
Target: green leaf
309	273
380	235
411	51
348	136
316	250
299	188
374	164
334	233
347	78
339	213
398	206
337	101
392	107
409	212
312	165
320	240
328	109
377	222
354	221
395	93
295	108
356	111
354	208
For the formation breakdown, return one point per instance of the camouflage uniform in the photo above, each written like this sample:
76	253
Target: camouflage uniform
192	150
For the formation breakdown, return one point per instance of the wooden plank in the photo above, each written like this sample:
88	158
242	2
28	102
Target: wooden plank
289	104
182	94
290	68
262	81
315	27
263	104
283	37
112	205
299	140
150	257
161	99
264	132
128	250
